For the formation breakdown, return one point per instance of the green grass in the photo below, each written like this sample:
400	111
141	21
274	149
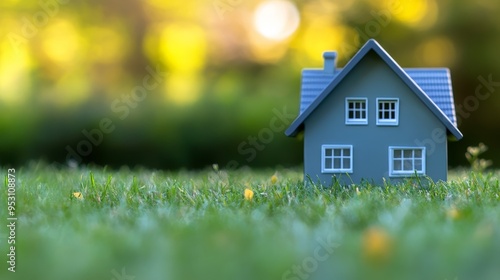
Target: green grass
198	225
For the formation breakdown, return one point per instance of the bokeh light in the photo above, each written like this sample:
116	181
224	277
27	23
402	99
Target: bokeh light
61	42
436	51
183	89
183	47
326	36
276	19
183	50
14	73
419	14
107	45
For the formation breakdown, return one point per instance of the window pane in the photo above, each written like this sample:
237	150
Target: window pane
397	153
418	165
336	152
328	163
393	115
336	163
380	105
393	105
408	154
418	153
407	165
397	165
356	110
386	115
346	163
347	152
328	152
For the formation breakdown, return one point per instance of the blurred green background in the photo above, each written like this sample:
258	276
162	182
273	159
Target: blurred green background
68	66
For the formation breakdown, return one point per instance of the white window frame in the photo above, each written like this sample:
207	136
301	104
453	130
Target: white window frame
403	173
336	170
350	121
388	122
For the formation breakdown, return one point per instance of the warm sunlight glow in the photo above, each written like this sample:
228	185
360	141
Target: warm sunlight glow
182	89
183	47
276	19
326	36
61	42
266	51
438	51
14	73
71	89
183	50
106	45
418	13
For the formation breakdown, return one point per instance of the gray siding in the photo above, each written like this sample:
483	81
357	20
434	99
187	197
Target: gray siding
372	79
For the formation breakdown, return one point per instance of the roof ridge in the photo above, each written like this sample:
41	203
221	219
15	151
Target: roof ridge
373	45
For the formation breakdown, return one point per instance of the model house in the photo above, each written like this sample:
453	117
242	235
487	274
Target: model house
373	120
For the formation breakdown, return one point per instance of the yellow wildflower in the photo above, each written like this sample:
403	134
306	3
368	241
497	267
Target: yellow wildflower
376	244
78	195
248	194
453	213
274	179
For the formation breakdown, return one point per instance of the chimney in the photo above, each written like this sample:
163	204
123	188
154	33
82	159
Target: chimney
330	61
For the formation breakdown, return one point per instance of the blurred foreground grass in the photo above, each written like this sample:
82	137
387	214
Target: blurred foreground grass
91	223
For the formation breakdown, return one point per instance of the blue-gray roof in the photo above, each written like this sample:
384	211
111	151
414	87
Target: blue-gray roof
431	85
314	81
436	83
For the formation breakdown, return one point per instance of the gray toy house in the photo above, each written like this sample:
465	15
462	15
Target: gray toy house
374	121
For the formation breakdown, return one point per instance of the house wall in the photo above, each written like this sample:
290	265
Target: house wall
418	126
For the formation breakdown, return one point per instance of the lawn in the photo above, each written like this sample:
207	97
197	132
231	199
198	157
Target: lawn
95	223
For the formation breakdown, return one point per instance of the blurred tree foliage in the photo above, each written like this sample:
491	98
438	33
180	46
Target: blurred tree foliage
63	64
